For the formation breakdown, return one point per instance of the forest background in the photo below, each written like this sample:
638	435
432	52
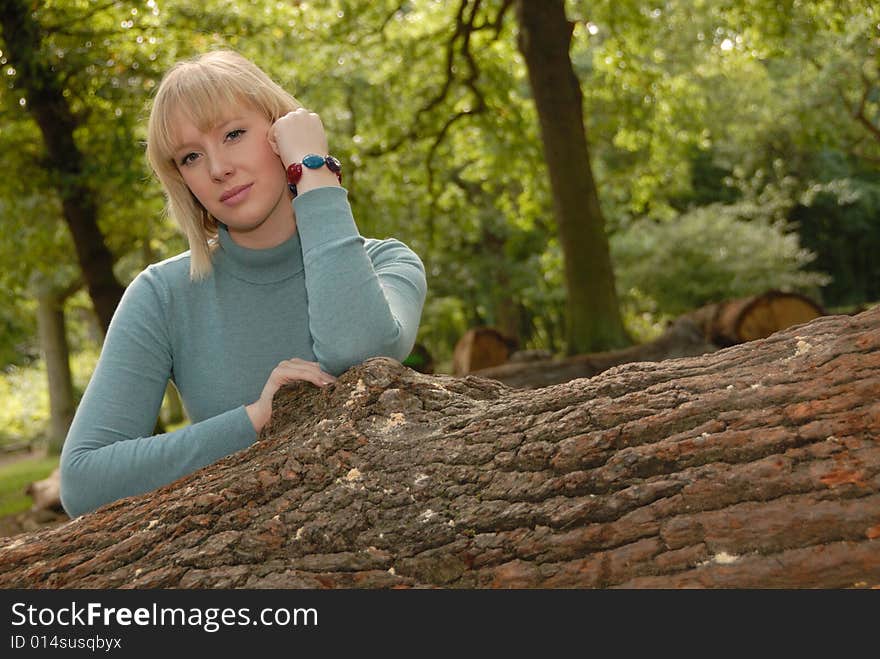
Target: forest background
734	148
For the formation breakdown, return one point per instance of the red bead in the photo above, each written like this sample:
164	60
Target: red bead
333	165
294	173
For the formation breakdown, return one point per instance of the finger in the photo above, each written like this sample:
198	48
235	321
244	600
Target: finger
317	379
287	372
294	361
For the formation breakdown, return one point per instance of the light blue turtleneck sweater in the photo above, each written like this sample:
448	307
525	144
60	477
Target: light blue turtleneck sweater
325	295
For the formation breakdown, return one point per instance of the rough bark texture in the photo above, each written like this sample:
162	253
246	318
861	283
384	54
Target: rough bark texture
682	339
753	466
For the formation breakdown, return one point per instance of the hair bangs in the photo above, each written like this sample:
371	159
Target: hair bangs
203	100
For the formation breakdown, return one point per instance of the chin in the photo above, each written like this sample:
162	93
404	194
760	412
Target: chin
245	226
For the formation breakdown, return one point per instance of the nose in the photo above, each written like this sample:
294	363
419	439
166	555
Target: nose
220	169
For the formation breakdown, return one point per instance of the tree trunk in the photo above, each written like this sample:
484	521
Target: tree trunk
593	314
56	355
47	104
753	466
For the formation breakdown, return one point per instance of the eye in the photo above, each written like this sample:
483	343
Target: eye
188	158
235	134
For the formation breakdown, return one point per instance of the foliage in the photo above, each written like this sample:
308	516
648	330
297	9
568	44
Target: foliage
710	254
717	130
24	414
17	330
839	220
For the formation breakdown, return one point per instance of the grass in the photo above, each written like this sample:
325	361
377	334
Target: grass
16	476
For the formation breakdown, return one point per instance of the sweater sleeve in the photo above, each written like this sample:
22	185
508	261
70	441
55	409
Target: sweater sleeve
109	452
363	301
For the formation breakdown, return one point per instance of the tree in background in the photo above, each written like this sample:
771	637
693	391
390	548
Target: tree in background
75	209
592	309
42	84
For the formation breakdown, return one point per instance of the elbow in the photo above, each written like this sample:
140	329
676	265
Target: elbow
73	489
71	501
337	362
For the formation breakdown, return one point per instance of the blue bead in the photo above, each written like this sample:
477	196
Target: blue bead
313	161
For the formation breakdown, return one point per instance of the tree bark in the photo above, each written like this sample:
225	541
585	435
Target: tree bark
47	104
593	312
753	466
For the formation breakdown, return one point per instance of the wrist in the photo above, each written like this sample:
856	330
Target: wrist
258	415
313	171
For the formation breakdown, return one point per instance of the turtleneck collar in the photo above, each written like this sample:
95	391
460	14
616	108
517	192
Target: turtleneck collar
258	266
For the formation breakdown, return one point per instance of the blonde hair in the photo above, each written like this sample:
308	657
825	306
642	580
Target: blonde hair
203	89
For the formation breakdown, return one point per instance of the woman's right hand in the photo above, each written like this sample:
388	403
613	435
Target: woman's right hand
290	370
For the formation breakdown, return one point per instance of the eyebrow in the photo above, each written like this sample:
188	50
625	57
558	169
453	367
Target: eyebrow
179	147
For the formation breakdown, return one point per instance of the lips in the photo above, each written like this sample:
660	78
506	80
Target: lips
234	194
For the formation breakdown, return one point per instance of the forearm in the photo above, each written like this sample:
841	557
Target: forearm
353	313
99	466
110	451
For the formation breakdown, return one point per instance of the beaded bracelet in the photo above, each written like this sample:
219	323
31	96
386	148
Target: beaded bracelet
312	161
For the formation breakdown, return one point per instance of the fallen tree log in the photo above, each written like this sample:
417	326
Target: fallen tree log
481	347
753	466
46	493
745	319
683	338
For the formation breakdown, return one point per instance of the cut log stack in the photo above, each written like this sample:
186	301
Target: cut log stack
46	493
481	347
683	338
756	317
696	333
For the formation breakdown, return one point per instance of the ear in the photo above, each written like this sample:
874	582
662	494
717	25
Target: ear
270	136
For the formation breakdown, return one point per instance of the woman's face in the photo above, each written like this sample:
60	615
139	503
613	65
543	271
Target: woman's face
234	173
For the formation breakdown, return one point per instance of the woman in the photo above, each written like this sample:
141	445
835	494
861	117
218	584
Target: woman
277	286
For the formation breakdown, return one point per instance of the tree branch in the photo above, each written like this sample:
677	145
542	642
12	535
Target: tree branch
95	9
465	25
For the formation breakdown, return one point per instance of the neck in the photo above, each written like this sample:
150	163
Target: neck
263	237
258	265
